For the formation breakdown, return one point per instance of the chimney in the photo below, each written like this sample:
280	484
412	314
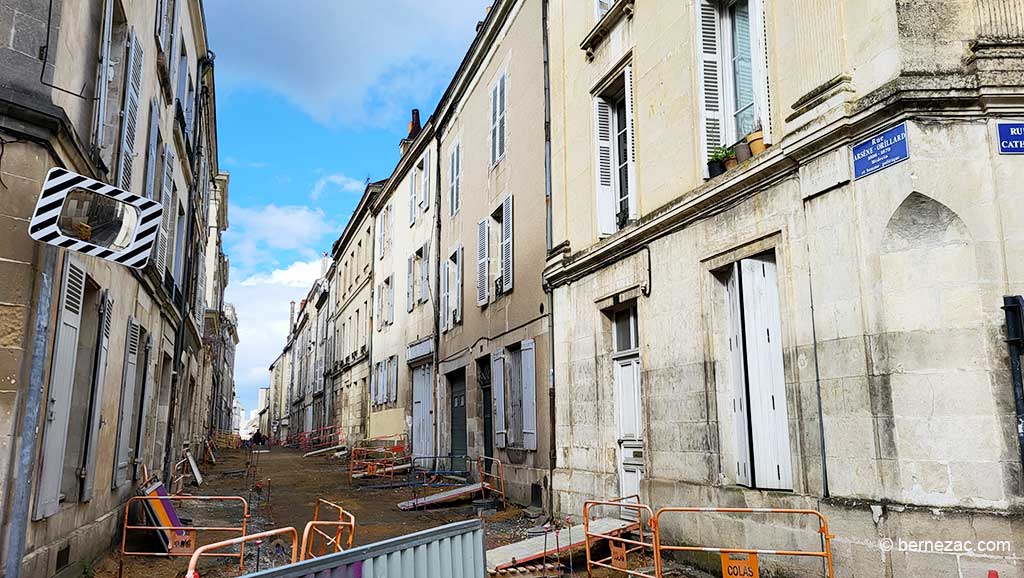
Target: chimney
414	124
324	264
291	319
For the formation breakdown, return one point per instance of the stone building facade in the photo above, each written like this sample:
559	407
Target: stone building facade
818	327
123	93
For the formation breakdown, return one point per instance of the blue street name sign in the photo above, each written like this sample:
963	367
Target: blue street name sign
1011	138
880	151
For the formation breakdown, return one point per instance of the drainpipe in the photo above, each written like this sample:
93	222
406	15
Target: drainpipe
435	286
552	450
1013	306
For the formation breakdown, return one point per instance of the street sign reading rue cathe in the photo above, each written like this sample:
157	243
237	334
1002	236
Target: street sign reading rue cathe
880	151
1011	138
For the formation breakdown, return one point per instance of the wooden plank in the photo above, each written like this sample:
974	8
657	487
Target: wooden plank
441	498
538	547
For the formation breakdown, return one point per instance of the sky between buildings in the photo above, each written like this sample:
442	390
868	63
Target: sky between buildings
312	99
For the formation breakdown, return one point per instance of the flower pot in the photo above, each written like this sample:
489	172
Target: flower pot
731	162
742	151
715	168
756	142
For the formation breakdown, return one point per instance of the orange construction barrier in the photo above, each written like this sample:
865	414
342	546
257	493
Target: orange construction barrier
185	538
202	550
620	547
748	567
379	457
489	482
337	542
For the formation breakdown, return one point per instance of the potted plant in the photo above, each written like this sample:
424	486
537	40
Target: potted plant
742	150
716	164
756	140
730	161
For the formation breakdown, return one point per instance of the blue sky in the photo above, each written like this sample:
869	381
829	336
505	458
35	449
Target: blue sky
312	99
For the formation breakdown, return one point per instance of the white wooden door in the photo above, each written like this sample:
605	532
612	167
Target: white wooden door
740	405
629	423
422	411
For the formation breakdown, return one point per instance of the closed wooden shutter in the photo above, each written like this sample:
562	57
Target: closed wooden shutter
426	181
498	392
393	371
506	244
62	374
122	450
96	401
200	308
603	167
765	376
457	317
167	199
425	274
391	300
143	396
130	112
709	79
453	191
412	198
151	150
740	405
482	261
173	41
446	317
630	140
162	25
528	363
410	293
103	77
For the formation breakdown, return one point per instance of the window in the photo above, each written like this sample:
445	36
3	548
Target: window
425	174
389	289
179	245
133	374
498	109
384	383
733	93
502	221
424	264
601	7
759	410
153	148
110	86
625	330
410	291
413	179
514	387
451	290
616	157
455	172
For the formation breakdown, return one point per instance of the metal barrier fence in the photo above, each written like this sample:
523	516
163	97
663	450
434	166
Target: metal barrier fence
325	437
452	551
620	547
240	541
749	566
181	540
345	524
494	483
379	458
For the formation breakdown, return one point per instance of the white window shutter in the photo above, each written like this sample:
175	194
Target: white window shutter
103	80
410	290
425	273
604	167
759	63
493	134
393	370
507	238
62	374
482	261
200	306
96	403
167	199
161	23
457	317
528	361
380	306
426	181
123	450
391	301
502	108
445	313
498	392
173	43
765	376
152	153
739	379
458	176
130	112
412	198
630	140
709	79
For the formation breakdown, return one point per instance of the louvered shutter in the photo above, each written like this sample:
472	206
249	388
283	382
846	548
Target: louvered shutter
412	198
200	309
482	262
493	135
143	397
96	403
759	63
506	244
62	375
151	149
380	235
446	317
161	23
410	294
380	306
167	199
453	190
630	141
103	80
739	378
130	112
425	273
391	301
502	108
174	41
709	80
528	361
457	317
603	167
498	392
393	378
426	181
122	451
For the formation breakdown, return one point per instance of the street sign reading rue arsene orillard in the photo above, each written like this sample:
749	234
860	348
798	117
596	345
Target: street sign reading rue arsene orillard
1011	138
880	151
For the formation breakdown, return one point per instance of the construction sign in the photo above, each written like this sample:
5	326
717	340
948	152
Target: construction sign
739	565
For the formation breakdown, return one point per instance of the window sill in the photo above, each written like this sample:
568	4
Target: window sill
621	9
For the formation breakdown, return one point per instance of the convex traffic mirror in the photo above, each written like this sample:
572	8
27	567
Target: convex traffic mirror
82	214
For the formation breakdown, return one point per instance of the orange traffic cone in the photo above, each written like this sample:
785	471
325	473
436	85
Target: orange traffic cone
993	574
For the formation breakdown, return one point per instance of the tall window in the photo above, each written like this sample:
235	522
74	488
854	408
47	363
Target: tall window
498	109
514	388
616	156
738	18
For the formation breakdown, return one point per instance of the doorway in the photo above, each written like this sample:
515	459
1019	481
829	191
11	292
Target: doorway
628	415
422	411
460	441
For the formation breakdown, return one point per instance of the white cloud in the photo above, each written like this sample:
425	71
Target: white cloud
262	305
342	182
256	235
344	62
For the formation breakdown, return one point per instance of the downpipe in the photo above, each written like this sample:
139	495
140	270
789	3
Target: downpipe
1013	307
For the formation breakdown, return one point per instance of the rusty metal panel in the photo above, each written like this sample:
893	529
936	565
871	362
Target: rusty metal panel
455	550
